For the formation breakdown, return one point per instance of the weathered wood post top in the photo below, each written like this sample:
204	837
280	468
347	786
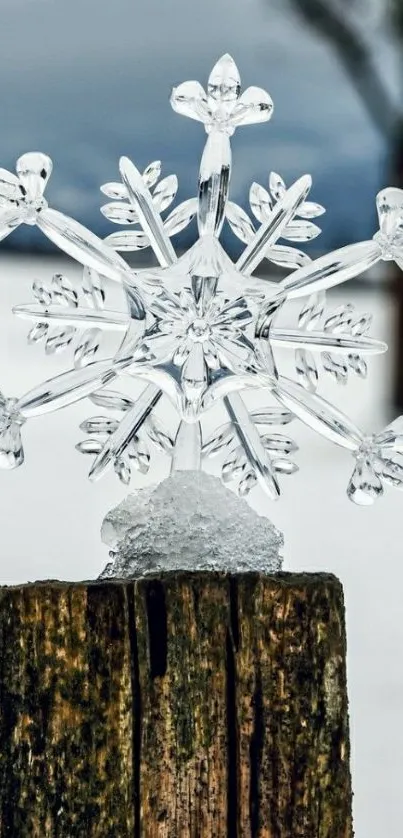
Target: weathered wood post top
207	700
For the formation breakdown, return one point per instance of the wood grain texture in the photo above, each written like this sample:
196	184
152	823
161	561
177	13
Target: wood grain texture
188	706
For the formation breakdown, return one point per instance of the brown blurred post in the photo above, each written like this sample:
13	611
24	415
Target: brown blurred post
195	705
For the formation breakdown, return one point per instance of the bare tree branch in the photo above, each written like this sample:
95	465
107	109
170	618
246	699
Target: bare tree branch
356	59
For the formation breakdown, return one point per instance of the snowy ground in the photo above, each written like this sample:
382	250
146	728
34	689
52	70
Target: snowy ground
50	518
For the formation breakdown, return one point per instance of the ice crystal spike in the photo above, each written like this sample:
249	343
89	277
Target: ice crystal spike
200	331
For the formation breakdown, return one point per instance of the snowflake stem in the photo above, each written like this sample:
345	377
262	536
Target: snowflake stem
214	178
188	445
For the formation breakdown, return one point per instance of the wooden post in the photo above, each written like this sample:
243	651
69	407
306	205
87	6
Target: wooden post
197	705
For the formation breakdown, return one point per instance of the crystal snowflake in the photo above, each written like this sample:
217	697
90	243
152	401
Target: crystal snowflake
201	330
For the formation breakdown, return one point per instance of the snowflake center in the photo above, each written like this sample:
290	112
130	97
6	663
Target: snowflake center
31	209
199	330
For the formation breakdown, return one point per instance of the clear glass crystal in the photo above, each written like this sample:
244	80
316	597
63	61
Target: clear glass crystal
199	332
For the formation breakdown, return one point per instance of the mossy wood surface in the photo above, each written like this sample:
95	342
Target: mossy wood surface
188	705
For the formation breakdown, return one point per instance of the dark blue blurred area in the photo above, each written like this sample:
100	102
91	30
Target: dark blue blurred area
86	81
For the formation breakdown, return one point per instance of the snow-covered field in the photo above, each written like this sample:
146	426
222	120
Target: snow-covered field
50	517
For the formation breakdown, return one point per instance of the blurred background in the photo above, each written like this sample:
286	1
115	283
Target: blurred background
86	81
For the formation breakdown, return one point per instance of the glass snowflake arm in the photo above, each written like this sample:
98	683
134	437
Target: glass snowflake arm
343	333
124	443
252	457
355	259
22	201
343	342
64	310
54	394
149	218
325	342
75	385
73	238
136	205
379	457
298	229
119	440
275	225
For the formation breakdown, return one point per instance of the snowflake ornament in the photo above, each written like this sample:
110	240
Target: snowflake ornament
201	331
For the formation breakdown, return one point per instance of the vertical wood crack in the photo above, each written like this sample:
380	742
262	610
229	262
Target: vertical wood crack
256	744
232	731
157	628
136	709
